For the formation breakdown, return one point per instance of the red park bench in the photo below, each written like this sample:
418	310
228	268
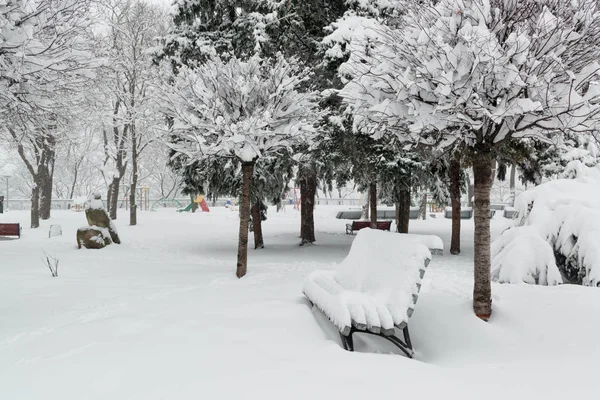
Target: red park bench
358	225
10	230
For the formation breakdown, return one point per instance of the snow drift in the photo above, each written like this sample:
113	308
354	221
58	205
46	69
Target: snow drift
556	237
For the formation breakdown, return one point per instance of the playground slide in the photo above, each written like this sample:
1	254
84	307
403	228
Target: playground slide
203	205
188	208
200	201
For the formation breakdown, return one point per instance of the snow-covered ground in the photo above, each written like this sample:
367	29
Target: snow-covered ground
163	316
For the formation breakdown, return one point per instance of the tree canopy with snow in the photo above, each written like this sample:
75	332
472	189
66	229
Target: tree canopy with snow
478	73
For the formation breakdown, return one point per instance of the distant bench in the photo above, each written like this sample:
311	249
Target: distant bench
10	230
465	213
381	214
358	225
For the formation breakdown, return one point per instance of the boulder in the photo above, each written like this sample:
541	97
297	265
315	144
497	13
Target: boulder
97	216
93	237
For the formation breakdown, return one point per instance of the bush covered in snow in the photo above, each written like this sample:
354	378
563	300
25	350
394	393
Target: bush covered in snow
556	237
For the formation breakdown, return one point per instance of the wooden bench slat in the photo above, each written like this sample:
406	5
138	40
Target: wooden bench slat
358	225
10	229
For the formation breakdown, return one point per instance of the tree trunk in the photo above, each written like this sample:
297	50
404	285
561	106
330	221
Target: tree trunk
194	204
134	176
132	203
513	175
242	256
46	174
46	195
257	226
366	206
114	197
482	290
455	199
373	204
308	188
403	211
470	191
74	184
108	197
35	205
423	207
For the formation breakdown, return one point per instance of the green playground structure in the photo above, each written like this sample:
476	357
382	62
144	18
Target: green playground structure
188	208
201	204
164	201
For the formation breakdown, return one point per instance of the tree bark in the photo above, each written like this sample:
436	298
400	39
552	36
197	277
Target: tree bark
403	211
482	290
242	256
373	204
423	210
194	204
46	173
513	175
114	197
308	188
35	206
257	226
366	206
74	184
455	199
134	176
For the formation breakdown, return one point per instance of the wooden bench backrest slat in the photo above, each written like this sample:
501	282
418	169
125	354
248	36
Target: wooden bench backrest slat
10	230
357	225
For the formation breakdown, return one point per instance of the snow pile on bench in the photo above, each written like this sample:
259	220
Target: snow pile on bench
375	287
557	235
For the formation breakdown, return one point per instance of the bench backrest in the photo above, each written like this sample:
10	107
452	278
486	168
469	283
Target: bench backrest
386	265
356	225
10	230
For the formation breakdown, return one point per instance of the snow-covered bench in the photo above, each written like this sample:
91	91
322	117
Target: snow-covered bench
375	288
434	243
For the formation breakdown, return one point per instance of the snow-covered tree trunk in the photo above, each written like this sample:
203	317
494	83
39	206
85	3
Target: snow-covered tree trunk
482	290
470	191
308	189
455	199
423	207
257	226
513	175
242	255
373	204
403	211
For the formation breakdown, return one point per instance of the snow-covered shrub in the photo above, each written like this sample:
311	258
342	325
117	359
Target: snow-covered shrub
522	255
559	218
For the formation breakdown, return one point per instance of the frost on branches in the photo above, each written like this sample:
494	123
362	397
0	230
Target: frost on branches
241	109
556	237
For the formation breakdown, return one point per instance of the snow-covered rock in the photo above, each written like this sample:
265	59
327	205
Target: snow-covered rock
377	284
557	232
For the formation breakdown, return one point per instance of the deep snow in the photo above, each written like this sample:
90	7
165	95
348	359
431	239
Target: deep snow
163	316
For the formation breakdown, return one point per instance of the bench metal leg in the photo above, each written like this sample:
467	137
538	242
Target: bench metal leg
405	346
347	341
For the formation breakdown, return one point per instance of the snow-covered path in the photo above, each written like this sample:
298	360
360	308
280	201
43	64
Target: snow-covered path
163	317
